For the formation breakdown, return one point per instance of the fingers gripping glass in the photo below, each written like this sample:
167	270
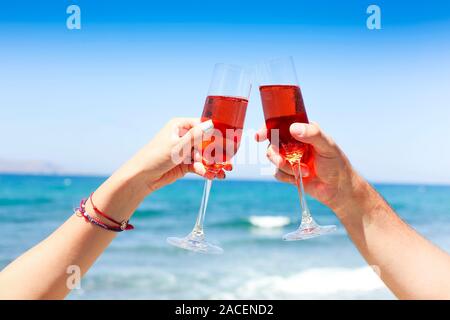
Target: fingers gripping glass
225	105
283	105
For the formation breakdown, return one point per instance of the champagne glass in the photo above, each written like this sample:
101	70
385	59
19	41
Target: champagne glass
283	105
225	105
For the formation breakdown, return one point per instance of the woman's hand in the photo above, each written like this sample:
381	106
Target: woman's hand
329	177
41	273
172	153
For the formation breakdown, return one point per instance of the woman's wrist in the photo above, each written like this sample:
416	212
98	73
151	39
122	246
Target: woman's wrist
120	195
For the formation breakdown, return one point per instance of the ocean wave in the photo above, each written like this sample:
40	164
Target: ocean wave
311	283
268	222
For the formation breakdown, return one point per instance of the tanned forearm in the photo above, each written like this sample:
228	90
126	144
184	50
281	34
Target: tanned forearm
411	266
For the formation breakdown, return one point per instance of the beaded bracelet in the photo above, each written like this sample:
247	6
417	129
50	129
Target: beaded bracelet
81	211
124	225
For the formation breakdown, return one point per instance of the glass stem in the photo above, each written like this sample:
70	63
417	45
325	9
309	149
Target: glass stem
307	220
197	232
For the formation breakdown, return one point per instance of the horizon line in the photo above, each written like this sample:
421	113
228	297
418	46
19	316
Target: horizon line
195	178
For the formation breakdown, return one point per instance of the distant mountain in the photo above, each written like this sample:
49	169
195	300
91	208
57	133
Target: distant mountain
29	167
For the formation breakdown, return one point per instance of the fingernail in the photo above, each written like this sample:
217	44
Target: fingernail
298	129
206	126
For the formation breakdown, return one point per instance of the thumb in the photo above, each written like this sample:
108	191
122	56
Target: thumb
312	134
196	133
194	136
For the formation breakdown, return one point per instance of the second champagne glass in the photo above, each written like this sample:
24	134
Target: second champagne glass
225	105
283	105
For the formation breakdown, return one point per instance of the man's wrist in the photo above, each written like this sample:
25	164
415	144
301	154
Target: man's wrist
355	194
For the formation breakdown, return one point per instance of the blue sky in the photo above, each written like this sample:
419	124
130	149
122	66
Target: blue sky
87	99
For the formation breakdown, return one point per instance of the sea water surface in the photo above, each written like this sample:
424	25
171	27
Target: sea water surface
247	218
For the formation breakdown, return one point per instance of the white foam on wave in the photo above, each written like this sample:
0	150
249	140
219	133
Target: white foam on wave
269	221
313	283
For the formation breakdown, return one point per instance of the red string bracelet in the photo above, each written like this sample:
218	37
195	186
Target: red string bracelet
124	225
81	211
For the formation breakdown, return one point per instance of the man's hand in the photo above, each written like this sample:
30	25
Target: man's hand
329	177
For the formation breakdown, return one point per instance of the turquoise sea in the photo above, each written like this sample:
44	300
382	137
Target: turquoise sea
256	263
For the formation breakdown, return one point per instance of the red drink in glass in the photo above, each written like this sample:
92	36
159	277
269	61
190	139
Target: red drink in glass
227	114
225	105
283	105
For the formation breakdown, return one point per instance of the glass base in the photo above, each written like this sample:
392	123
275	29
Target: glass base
308	232
195	243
